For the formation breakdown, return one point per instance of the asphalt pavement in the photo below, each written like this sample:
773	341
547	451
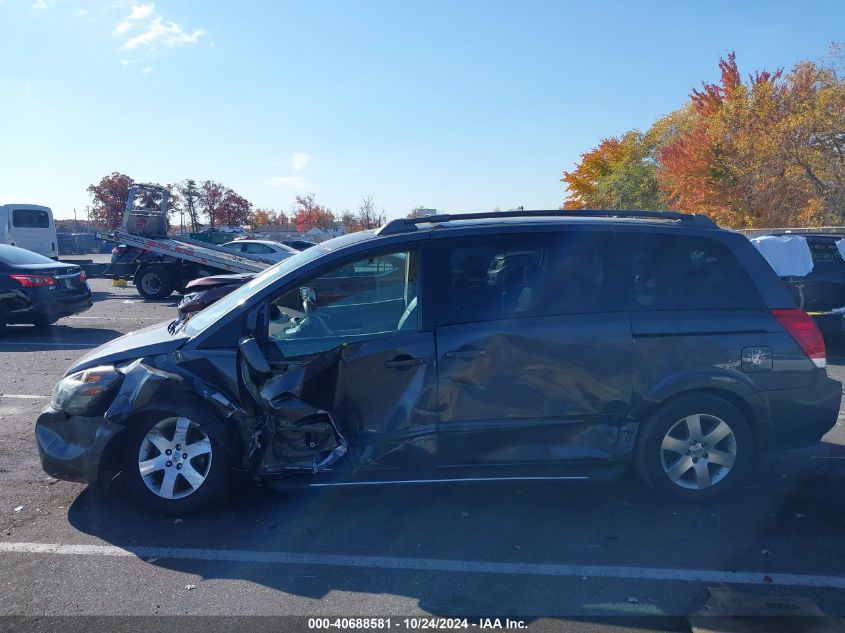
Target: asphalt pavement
576	552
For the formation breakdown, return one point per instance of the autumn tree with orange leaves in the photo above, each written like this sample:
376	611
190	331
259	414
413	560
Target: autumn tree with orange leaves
768	150
309	214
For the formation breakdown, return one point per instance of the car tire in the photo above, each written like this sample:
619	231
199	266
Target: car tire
182	482
153	282
695	447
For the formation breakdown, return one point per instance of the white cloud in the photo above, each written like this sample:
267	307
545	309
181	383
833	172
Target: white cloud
287	181
125	62
299	160
40	4
146	70
80	12
141	11
152	32
166	34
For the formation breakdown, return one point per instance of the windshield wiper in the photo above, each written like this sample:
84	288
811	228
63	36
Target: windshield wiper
178	323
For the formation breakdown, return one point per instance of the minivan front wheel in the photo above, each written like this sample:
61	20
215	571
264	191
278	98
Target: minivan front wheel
695	447
176	464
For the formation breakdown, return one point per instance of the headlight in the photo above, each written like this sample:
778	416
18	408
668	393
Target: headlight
188	298
80	392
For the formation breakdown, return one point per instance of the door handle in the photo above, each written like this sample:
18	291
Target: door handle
402	362
466	354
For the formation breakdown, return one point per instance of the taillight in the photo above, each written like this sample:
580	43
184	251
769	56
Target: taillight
34	281
83	276
804	330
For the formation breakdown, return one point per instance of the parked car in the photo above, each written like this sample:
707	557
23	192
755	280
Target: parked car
35	289
268	249
506	346
299	245
812	267
222	229
201	293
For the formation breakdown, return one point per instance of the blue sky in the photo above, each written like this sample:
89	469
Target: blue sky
457	105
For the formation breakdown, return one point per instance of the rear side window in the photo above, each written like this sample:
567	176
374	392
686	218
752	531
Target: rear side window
683	272
496	277
30	219
257	249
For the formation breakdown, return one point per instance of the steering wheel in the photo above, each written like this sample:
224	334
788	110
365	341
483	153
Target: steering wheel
313	324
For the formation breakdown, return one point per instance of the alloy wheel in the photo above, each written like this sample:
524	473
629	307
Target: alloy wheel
175	458
698	451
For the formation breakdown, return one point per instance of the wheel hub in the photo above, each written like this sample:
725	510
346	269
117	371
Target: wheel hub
698	451
175	458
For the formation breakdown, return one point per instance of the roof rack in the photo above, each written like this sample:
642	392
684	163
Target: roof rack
406	225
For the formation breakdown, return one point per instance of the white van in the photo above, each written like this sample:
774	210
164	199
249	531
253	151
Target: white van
29	226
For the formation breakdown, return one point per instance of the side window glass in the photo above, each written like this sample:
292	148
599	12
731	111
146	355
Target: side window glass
366	298
669	272
824	250
530	274
255	249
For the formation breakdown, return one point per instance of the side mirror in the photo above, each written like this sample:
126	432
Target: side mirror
254	357
307	294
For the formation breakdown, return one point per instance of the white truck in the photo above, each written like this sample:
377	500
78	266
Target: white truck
157	263
29	226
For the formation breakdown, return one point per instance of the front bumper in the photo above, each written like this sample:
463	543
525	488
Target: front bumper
72	447
800	417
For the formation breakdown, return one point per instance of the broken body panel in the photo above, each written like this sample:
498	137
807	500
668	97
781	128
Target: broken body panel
519	393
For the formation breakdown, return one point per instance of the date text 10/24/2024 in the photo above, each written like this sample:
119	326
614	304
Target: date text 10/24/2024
414	624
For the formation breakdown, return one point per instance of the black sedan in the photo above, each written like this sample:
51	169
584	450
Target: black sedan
37	290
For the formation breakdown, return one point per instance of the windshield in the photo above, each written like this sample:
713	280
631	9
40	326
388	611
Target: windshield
211	314
15	255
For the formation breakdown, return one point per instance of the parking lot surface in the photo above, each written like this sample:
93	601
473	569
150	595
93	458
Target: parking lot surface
580	551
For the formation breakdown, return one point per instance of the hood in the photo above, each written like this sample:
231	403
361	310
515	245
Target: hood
147	342
219	280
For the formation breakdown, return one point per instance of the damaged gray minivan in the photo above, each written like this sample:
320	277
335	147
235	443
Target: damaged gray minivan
503	346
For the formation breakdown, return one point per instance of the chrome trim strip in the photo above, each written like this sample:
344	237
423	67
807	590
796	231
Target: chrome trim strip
440	481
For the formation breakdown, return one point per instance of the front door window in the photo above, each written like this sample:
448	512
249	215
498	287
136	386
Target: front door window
366	298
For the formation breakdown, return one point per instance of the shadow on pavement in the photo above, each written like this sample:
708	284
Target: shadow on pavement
789	518
33	339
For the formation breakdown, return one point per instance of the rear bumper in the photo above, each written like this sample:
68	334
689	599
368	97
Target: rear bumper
800	417
51	305
71	447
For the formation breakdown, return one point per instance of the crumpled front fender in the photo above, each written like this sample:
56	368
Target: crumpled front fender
146	385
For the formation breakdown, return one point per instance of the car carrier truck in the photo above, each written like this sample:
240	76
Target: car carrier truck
158	263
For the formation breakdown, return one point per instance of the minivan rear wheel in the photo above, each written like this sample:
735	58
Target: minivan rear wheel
695	447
